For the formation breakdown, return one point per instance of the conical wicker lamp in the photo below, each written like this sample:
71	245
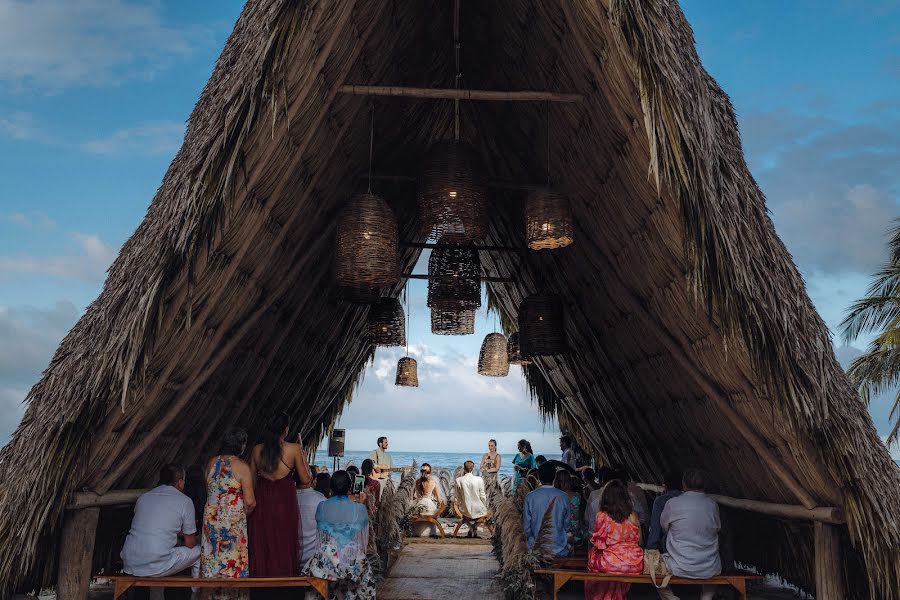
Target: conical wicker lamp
514	352
386	323
407	372
447	322
454	277
548	220
368	248
493	360
453	197
541	325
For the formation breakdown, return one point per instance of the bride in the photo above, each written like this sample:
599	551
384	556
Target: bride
428	493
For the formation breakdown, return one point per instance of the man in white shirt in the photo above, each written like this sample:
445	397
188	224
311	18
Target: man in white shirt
691	522
470	496
308	500
160	516
565	445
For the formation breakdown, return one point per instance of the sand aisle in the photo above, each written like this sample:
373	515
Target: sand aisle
441	570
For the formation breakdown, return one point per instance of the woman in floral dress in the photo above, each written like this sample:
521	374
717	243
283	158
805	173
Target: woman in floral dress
223	549
343	528
615	543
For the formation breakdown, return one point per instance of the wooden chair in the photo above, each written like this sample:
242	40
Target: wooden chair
433	519
464	520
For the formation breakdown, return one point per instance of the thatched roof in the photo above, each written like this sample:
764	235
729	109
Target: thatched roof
693	339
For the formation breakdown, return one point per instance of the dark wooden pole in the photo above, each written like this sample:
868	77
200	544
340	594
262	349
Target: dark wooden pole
76	553
829	569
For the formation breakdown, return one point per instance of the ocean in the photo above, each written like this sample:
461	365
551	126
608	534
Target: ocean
448	460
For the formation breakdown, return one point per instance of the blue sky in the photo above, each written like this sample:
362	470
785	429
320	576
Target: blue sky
94	95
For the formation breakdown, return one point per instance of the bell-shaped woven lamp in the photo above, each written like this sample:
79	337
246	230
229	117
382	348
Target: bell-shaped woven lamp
448	322
407	372
368	247
493	360
454	277
548	220
386	323
452	196
514	352
541	325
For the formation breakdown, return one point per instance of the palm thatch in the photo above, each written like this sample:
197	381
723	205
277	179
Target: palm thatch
692	339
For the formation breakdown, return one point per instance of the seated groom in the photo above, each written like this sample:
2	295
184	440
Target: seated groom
536	504
160	516
470	497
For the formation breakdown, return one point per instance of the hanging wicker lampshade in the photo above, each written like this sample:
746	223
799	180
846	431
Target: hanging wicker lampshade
548	220
407	372
514	353
492	360
454	277
453	197
447	322
541	325
386	323
368	248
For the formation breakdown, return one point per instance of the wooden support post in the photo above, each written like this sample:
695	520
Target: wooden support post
829	570
76	554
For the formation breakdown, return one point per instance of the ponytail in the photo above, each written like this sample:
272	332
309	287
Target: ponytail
271	442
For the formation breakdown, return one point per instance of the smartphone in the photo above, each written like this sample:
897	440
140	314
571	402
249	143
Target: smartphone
359	483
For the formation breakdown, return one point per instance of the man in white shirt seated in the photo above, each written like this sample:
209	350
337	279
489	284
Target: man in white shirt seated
308	500
691	522
160	517
470	496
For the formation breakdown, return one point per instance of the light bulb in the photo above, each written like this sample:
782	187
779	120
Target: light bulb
452	194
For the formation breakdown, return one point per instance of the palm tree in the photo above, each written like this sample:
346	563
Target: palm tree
878	370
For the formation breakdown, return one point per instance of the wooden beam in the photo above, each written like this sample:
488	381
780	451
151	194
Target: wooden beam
829	570
479	248
820	514
497	184
84	500
76	554
483	278
454	94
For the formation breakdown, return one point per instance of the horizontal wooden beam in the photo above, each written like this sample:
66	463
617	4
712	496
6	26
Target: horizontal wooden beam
479	248
483	278
111	498
497	184
819	514
454	94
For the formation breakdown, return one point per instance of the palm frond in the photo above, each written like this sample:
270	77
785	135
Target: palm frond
543	541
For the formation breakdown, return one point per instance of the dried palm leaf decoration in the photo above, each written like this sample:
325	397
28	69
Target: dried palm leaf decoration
548	216
514	352
541	325
368	246
447	322
454	276
386	323
407	368
493	360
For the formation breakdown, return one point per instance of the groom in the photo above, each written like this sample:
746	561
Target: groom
471	499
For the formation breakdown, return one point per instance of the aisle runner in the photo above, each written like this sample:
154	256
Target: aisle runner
442	570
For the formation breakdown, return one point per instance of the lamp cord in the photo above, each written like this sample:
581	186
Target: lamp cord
371	142
547	113
457	51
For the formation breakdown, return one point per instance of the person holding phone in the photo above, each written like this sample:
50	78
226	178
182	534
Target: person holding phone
343	528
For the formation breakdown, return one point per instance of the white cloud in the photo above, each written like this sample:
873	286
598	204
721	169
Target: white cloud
32	221
55	44
162	137
89	263
18	125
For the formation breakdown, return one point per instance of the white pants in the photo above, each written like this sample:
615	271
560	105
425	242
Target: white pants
708	592
184	557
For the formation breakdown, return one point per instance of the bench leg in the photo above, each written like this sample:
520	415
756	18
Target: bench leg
121	588
559	580
741	586
456	529
320	585
440	528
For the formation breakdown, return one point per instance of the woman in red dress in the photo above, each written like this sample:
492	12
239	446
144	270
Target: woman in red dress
615	543
274	525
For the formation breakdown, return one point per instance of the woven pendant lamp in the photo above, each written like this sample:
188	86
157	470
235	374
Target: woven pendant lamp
368	248
447	322
453	197
548	220
513	351
541	325
386	323
454	277
407	372
493	360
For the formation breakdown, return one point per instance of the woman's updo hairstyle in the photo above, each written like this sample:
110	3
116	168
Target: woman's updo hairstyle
340	483
234	442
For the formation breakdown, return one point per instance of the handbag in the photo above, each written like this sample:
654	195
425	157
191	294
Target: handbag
655	566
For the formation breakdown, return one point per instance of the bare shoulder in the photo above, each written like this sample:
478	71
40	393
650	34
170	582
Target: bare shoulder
240	467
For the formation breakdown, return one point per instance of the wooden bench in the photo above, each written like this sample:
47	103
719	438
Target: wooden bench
123	583
433	519
562	576
463	520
